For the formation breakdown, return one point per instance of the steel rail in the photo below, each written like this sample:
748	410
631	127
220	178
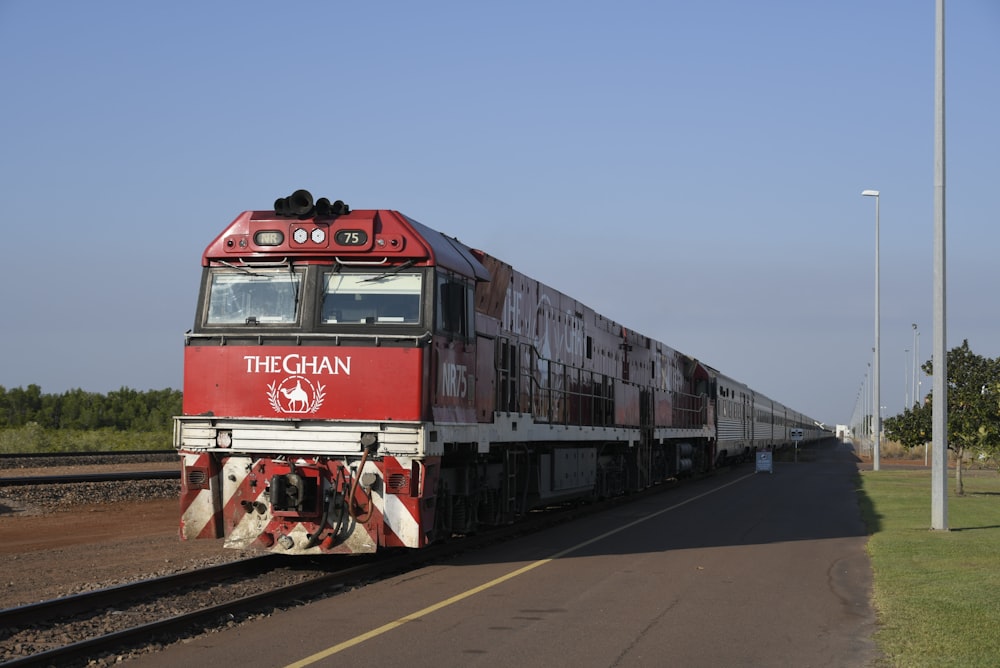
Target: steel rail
43	611
108	476
70	455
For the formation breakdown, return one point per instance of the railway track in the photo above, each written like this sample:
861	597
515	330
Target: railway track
29	460
81	467
106	476
80	627
47	482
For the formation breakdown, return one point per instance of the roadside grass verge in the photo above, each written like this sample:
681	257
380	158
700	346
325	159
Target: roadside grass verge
936	593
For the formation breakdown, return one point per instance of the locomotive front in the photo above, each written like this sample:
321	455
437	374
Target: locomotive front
308	378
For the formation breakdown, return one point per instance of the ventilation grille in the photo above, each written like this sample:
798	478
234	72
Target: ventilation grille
398	483
197	478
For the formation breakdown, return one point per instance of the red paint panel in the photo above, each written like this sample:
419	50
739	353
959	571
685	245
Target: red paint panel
454	382
196	479
303	382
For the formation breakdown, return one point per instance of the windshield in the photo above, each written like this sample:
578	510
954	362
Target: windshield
371	298
259	297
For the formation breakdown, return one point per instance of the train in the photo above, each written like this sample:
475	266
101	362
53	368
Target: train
357	381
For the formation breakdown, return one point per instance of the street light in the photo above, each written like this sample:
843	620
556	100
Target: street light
939	413
916	364
906	379
868	408
877	427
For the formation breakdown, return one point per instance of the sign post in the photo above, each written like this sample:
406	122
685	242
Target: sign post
796	438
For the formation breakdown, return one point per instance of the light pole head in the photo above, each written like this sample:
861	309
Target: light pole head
869	193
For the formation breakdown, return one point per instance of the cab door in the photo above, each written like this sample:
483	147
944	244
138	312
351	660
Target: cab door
453	363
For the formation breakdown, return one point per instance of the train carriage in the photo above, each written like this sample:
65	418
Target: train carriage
763	419
734	425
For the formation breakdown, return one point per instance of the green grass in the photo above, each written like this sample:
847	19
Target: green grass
937	593
35	439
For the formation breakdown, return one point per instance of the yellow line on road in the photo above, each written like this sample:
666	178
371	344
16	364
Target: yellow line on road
385	628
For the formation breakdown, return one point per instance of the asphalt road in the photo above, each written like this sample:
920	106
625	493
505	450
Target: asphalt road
742	569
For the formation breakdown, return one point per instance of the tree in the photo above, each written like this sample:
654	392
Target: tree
912	428
973	410
21	406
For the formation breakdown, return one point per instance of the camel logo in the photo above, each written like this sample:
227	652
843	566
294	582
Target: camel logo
295	394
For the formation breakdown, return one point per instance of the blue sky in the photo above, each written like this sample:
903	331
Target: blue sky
692	170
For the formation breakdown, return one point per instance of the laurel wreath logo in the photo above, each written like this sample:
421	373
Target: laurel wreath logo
297	398
272	397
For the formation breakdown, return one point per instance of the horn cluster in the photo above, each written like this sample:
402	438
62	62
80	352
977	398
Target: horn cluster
300	205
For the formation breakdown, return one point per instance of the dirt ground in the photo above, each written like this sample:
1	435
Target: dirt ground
45	555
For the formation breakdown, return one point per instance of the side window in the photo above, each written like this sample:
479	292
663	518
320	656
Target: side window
454	306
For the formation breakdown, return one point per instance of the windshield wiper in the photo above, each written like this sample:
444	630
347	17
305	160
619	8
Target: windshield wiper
391	272
239	268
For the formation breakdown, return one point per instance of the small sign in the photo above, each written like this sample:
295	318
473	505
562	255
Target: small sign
764	462
796	435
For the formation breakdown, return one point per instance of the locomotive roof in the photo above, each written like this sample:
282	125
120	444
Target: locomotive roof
387	234
450	252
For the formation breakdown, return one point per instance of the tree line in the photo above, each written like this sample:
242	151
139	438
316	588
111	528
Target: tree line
121	410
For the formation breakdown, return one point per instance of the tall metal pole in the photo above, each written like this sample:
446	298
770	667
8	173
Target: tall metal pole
858	404
939	418
906	378
915	369
876	388
878	349
868	410
864	410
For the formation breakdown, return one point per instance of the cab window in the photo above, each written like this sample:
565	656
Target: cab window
257	297
371	298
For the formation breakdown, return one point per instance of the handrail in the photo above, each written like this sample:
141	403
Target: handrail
546	401
283	262
592	409
336	336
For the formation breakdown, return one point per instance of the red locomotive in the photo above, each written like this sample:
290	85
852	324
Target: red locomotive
356	380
